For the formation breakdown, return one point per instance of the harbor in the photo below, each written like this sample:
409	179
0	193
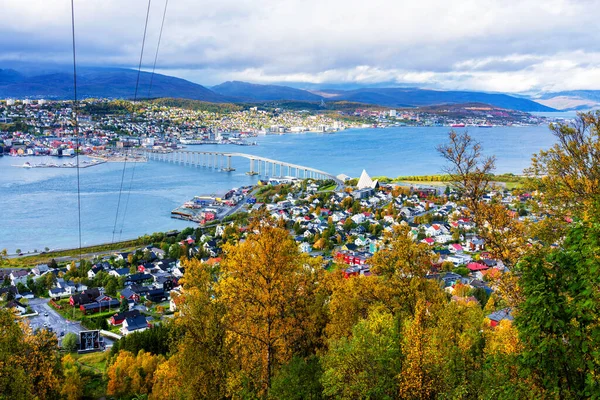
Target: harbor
207	208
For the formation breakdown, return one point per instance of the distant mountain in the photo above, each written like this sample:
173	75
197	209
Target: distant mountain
102	83
571	99
411	97
390	97
252	92
8	76
56	82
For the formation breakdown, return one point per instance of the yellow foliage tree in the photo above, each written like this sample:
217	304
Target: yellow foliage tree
132	375
199	368
568	174
502	339
72	386
14	380
168	382
266	287
42	363
349	302
418	379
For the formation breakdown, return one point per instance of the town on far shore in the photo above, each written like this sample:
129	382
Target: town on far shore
109	129
343	226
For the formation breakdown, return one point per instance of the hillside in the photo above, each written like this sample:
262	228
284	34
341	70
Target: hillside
253	92
101	82
390	97
403	97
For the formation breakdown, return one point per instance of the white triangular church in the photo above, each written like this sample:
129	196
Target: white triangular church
365	181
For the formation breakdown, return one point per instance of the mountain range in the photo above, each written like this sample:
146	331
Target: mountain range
101	83
120	83
571	99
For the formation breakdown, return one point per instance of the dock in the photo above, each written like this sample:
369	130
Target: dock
83	164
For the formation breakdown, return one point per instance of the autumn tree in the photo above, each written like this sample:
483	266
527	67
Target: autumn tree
568	174
200	366
469	170
349	301
130	374
14	379
401	266
42	363
420	377
72	386
502	376
457	343
266	287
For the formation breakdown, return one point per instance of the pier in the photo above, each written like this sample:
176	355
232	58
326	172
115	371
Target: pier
221	161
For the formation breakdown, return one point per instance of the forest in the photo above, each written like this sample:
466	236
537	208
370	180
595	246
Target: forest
269	322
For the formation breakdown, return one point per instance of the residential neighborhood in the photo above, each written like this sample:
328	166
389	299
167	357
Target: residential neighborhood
343	228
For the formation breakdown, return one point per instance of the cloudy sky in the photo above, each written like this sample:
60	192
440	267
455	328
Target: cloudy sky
509	45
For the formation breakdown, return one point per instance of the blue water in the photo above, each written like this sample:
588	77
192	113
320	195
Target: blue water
39	206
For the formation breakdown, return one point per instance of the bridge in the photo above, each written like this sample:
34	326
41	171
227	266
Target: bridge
222	161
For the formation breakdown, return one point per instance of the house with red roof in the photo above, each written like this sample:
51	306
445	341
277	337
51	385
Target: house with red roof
428	240
455	248
475	266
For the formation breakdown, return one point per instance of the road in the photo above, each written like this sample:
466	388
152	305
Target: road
50	318
85	256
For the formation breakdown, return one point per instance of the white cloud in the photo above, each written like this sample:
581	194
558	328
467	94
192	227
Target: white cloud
510	45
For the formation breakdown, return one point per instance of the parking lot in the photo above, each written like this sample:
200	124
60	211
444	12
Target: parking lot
48	318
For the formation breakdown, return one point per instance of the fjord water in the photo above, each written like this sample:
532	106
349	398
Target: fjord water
39	205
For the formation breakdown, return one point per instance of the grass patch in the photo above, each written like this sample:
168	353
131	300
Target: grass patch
94	361
514	185
93	369
328	188
68	312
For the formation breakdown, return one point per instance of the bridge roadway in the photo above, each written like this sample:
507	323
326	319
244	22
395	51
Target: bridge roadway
222	160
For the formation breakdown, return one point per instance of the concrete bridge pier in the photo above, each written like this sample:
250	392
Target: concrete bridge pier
252	172
229	169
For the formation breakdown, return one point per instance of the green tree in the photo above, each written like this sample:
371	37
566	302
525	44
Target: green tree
350	365
298	380
111	286
69	342
124	305
558	319
175	251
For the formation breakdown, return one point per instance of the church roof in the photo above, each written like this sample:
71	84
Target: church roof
365	181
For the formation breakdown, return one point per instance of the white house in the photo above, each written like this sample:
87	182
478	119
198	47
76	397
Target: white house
136	324
459	259
443	239
18	276
358	218
305	247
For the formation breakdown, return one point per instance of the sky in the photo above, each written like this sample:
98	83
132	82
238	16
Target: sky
515	46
